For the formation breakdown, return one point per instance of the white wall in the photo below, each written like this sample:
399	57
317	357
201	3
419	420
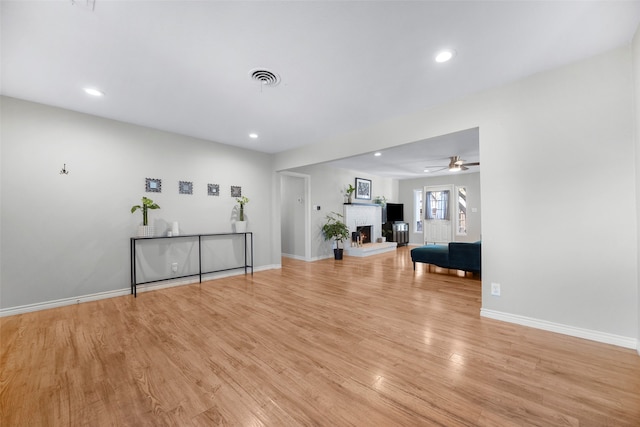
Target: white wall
65	236
474	201
636	114
327	190
558	192
558	184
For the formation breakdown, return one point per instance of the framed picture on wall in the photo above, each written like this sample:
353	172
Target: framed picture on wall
363	189
213	189
185	187
153	185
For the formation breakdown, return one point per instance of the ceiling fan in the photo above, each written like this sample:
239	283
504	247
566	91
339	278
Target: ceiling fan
455	164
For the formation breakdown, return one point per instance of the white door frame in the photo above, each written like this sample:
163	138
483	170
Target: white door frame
442	235
307	210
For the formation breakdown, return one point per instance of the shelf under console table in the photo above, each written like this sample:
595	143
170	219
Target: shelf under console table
247	239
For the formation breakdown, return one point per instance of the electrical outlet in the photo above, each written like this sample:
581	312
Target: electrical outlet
174	267
495	289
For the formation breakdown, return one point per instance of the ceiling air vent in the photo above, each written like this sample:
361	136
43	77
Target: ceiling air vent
265	77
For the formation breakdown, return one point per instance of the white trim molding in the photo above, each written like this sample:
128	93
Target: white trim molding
45	305
292	256
559	328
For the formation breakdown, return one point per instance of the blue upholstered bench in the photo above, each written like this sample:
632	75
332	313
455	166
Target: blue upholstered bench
455	255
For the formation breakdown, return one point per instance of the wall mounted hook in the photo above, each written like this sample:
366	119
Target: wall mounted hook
64	170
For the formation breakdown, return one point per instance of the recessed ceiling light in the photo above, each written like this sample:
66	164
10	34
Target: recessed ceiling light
93	92
426	170
445	55
253	135
378	154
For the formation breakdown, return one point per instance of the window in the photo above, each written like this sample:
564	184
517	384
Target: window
417	211
461	226
437	205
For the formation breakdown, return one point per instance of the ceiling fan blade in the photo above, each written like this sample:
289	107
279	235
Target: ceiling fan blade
435	168
455	163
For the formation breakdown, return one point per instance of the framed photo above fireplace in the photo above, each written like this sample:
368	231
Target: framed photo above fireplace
363	189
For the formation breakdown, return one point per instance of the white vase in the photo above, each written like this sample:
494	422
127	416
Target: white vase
241	226
145	231
175	229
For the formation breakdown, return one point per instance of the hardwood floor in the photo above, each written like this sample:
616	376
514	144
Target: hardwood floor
363	342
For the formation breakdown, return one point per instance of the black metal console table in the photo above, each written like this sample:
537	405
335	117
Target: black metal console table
248	255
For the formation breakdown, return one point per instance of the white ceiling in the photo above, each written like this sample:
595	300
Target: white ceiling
183	66
429	157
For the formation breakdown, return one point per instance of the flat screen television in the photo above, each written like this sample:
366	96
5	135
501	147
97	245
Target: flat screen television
395	212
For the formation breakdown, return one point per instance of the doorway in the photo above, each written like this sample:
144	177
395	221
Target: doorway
295	216
438	207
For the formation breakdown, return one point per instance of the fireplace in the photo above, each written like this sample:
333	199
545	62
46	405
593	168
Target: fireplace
364	231
366	219
365	223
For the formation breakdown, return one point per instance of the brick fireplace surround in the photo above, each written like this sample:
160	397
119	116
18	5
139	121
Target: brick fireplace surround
357	215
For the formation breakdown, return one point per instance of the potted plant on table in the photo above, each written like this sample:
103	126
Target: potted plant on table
145	230
335	229
241	223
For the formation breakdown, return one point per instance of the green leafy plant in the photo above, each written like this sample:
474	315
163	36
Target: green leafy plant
349	190
241	201
334	228
380	200
146	204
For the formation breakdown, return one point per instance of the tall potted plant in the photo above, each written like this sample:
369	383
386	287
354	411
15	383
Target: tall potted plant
241	223
335	229
145	230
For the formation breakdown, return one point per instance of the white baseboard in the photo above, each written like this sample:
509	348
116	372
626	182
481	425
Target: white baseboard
45	305
10	311
573	331
292	256
312	259
318	258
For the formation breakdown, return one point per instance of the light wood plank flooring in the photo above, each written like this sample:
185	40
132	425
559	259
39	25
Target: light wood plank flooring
358	342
